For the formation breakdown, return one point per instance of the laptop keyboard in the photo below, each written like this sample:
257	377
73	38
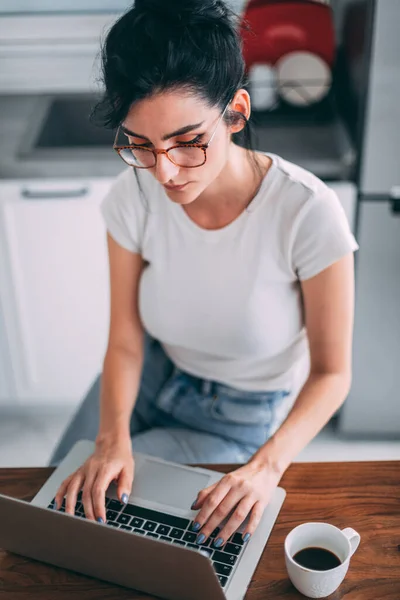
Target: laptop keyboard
172	529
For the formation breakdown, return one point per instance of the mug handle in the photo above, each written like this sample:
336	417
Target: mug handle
353	537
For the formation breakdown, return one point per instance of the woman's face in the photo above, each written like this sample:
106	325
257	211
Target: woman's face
172	118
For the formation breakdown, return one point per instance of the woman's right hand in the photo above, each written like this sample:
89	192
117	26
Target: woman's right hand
111	460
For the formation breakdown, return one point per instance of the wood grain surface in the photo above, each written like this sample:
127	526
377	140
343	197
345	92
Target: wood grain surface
364	495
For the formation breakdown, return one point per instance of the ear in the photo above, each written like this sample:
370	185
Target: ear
241	104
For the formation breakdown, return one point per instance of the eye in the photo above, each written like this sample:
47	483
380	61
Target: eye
195	140
132	143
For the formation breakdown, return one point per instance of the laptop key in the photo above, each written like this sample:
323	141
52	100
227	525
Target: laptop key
124	519
236	538
222	569
166	538
163	529
207	551
115	505
194	546
179	542
206	542
139	531
113	523
214	533
150	526
222	580
232	548
80	496
126	527
176	533
153	535
155	515
189	537
136	522
111	515
223	557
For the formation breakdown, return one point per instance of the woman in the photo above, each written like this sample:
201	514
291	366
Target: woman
236	263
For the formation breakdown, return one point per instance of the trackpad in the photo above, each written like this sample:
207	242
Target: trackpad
174	486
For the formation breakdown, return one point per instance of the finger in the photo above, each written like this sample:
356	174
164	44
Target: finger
239	515
212	504
100	484
87	495
125	481
59	497
223	511
74	487
202	495
255	517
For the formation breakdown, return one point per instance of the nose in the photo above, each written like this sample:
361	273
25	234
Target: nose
165	170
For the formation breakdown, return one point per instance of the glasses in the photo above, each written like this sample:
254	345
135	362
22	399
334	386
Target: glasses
181	155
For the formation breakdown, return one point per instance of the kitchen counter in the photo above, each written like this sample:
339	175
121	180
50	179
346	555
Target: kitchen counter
321	147
18	116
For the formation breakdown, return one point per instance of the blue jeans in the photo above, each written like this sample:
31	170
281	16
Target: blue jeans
183	418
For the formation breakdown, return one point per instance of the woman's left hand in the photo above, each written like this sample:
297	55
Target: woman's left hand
245	491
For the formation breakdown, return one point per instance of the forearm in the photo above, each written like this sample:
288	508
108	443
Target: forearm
119	389
321	396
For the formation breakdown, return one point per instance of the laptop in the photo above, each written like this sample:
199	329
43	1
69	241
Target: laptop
147	544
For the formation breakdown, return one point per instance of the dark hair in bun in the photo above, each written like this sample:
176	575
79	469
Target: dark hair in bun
193	11
161	45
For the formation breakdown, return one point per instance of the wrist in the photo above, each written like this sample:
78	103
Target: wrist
267	457
112	435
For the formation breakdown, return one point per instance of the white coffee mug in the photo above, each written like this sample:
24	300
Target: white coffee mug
343	543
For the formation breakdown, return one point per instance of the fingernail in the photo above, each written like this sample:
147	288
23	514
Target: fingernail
247	537
193	505
218	543
196	526
100	520
200	538
124	498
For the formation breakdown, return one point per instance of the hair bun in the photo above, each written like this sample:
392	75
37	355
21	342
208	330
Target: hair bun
188	11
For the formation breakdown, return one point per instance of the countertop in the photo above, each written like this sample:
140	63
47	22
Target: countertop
323	147
18	116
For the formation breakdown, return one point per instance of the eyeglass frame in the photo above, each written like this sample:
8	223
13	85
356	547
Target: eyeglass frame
156	151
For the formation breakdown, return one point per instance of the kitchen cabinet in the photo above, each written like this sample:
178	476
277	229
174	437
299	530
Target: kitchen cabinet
54	289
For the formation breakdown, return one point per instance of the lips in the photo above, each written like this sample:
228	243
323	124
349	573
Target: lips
175	187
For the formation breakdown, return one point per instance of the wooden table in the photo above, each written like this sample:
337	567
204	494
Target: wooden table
365	496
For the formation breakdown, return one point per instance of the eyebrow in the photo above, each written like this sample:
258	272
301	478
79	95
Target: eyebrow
168	136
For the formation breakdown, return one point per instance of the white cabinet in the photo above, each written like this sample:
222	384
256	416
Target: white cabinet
54	289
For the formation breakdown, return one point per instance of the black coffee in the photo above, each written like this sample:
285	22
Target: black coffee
317	559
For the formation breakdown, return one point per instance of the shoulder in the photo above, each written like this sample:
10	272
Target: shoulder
298	194
299	185
127	206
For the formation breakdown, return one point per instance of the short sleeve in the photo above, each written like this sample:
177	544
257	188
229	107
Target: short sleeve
123	212
321	235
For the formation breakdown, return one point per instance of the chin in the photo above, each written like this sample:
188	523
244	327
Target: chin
182	197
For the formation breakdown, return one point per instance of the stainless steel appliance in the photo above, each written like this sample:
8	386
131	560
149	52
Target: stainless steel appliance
373	406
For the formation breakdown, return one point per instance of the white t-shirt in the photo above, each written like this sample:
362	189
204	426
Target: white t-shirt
226	304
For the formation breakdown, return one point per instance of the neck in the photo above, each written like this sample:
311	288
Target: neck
231	192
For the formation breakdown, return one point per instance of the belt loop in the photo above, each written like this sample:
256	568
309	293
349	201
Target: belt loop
206	387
